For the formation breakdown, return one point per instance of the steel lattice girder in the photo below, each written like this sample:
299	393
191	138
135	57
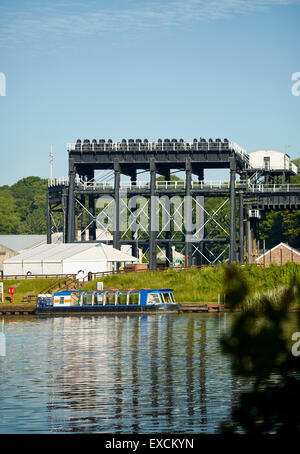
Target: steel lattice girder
169	215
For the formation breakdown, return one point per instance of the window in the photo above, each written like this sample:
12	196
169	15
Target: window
153	298
110	299
167	298
75	299
87	299
62	300
134	298
99	298
122	298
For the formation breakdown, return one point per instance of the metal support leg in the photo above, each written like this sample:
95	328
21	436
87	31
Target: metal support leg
64	207
199	257
71	207
248	241
116	239
153	220
232	253
188	215
241	228
135	249
169	251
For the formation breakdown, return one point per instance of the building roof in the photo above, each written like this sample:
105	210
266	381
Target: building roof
19	242
72	252
268	152
177	256
294	251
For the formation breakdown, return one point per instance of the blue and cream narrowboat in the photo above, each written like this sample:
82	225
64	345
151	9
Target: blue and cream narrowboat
111	300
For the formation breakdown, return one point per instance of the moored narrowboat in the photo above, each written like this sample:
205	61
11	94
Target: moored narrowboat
109	300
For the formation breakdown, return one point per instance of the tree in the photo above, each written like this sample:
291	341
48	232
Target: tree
23	206
9	218
260	347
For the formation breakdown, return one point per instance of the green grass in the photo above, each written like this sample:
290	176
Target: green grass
25	287
189	285
194	285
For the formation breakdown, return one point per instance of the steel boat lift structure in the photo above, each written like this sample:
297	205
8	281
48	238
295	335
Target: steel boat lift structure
174	212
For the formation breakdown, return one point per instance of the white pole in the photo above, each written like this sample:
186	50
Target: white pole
2	292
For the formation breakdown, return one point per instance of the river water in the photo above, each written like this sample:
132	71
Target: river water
115	374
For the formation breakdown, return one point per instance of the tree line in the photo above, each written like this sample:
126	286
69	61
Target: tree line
23	207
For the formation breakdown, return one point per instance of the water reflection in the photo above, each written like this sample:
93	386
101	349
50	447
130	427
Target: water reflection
116	374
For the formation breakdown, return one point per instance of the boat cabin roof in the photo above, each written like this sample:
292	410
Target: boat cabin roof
147	290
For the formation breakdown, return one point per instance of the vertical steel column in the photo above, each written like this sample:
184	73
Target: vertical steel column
254	225
232	250
188	218
116	239
248	240
168	246
153	218
134	235
71	205
199	257
49	223
241	228
64	207
92	221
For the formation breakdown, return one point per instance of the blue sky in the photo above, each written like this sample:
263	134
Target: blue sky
145	68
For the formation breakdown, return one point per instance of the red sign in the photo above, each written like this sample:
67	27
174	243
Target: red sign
11	290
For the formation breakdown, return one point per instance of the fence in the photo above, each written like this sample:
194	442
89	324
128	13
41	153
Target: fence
15	277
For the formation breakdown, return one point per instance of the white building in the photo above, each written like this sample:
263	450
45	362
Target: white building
271	160
11	245
68	258
178	258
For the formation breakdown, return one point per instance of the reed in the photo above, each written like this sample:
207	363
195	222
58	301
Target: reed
273	296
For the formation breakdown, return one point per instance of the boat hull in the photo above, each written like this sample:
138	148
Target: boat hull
149	308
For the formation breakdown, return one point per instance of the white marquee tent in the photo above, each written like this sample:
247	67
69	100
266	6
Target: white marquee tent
68	258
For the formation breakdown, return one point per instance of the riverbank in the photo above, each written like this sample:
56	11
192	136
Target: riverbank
17	309
190	285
